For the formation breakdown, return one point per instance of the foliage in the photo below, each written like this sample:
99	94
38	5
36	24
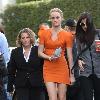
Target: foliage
22	1
32	14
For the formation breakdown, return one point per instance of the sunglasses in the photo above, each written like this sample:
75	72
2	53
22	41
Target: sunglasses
82	24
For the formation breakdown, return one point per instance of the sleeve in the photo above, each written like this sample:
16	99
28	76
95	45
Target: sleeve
42	38
11	66
4	48
69	40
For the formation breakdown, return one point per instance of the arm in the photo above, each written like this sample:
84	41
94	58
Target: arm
11	72
80	61
4	47
41	54
70	57
70	60
44	56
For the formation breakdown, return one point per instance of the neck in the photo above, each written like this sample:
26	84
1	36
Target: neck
27	47
57	29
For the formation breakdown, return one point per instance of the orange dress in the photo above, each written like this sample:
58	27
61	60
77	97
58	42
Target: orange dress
41	31
56	71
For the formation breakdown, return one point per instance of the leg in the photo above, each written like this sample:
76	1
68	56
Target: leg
52	90
14	96
22	94
96	88
62	88
46	93
80	96
7	95
36	93
86	87
3	92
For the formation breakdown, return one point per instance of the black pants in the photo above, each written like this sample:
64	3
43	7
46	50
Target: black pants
30	93
89	86
74	91
46	93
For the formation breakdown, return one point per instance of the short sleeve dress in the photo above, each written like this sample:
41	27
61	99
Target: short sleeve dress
57	70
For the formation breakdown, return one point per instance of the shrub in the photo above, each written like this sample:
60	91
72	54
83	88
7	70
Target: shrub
32	14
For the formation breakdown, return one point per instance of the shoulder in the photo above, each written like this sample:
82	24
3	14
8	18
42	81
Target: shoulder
46	32
2	37
17	49
98	31
45	35
35	47
66	34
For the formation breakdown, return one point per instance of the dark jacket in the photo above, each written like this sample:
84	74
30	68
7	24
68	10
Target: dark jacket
19	71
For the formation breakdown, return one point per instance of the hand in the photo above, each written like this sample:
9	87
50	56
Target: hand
81	63
53	58
72	78
11	93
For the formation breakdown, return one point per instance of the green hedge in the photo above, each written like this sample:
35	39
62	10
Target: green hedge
32	14
23	1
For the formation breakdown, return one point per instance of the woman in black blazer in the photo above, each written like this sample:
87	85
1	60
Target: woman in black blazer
25	68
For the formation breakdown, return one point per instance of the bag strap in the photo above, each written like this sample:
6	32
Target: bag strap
91	60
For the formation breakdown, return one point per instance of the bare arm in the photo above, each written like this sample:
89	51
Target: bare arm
70	60
70	57
41	54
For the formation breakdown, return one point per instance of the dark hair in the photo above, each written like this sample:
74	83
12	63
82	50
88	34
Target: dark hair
70	22
2	30
88	36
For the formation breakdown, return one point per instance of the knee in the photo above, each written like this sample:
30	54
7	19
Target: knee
62	97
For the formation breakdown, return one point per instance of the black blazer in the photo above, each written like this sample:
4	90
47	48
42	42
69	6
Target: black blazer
19	71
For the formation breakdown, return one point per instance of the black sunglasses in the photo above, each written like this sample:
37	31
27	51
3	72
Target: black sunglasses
82	24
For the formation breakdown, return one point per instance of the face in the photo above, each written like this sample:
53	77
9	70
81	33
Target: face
45	27
56	19
66	28
83	24
25	40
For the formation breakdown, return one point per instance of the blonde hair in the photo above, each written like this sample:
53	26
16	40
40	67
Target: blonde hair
56	10
25	30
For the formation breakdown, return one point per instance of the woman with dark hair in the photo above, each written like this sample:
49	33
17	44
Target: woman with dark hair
89	60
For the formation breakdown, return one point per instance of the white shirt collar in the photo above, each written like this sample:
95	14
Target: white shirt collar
26	59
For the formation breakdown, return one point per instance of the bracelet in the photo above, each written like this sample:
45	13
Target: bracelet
49	58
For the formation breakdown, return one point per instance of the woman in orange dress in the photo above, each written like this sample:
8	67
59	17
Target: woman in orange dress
56	73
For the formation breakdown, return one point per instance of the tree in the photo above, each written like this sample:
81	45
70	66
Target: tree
23	1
